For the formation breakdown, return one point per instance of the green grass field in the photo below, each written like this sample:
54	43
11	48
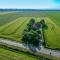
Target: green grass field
13	24
10	55
54	16
15	28
52	35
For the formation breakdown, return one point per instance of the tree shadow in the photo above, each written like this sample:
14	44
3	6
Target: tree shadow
30	47
45	27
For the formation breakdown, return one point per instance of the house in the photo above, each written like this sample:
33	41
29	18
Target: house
37	25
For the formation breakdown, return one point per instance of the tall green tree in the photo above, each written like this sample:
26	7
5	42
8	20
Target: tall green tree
30	24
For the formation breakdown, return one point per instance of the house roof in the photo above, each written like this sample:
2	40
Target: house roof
36	26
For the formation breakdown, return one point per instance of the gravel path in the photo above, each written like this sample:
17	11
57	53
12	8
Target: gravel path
42	50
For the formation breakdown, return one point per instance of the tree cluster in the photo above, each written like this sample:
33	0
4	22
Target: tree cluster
33	36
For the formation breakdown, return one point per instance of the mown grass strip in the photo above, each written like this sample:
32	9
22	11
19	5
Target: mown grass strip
12	27
6	25
21	29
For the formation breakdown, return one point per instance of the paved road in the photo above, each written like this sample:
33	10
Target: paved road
42	50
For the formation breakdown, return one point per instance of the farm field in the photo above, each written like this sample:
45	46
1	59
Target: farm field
12	26
1	13
10	55
14	29
52	35
5	18
54	16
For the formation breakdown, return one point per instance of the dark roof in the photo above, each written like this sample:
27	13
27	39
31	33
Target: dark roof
36	26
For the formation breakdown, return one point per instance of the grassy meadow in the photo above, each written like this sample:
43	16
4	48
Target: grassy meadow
13	24
14	29
54	16
6	54
52	35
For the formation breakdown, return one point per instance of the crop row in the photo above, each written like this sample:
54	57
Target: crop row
12	27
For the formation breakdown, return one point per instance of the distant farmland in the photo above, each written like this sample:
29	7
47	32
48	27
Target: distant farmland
12	26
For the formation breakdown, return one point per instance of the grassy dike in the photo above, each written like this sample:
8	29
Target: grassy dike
28	53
